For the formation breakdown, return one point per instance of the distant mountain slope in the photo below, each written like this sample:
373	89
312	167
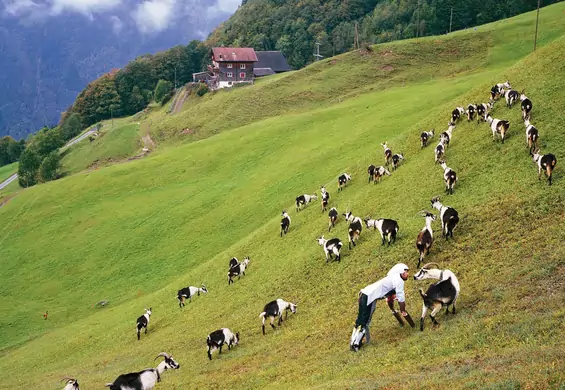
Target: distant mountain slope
47	58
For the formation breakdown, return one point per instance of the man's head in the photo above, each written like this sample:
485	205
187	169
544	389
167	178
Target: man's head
400	269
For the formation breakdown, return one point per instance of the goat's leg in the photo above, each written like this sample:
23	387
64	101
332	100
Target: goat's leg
263	325
437	308
146	330
424	311
272	322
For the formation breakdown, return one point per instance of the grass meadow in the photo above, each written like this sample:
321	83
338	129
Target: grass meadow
135	233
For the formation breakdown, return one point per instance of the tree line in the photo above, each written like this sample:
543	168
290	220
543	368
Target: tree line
295	26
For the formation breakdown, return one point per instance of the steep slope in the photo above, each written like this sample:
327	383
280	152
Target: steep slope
136	233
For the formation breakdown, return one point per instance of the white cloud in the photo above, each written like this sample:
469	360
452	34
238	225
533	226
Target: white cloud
117	24
154	15
21	7
83	6
227	5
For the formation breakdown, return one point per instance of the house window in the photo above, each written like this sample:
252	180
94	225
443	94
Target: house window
230	66
242	75
230	74
241	66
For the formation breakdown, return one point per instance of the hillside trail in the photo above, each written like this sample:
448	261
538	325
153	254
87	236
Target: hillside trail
179	101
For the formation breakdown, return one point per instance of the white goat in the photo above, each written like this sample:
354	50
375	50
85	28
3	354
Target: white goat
146	379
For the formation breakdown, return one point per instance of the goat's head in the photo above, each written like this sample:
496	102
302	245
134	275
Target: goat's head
170	363
292	307
284	214
148	312
424	272
384	145
442	163
400	156
426	214
70	383
367	221
523	95
204	289
435	202
246	261
322	189
527	122
321	241
236	338
535	155
314	197
507	84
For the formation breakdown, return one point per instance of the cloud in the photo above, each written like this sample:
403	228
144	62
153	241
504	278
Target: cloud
117	24
153	16
82	6
21	7
227	6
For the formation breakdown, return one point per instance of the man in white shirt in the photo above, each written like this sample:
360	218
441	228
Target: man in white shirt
390	287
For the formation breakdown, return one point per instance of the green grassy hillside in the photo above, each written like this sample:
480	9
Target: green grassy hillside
135	233
8	170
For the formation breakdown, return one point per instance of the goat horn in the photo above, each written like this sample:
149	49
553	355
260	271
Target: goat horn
428	264
164	354
68	379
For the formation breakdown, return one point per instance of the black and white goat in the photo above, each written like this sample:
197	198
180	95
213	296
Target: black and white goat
371	172
425	137
438	294
378	173
331	246
143	321
546	163
325	198
425	238
303	200
510	96
471	111
218	338
532	136
387	228
342	181
238	270
387	153
70	383
497	89
146	379
188	292
285	222
439	151
483	110
526	106
456	114
498	126
275	309
333	214
426	272
448	134
448	216
449	176
355	227
396	159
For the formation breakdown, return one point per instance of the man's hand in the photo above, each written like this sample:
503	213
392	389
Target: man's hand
404	314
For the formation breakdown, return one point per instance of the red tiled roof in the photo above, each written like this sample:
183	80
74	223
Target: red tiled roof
234	54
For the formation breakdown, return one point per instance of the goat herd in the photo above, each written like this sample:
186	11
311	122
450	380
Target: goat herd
443	293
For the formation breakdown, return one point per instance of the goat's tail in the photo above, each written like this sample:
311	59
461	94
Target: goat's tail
422	293
262	315
208	341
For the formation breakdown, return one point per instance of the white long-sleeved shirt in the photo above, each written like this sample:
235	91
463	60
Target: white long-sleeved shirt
380	289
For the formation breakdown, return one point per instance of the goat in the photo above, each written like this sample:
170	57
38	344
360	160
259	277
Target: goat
146	379
342	181
396	158
285	223
526	106
218	338
471	111
143	321
233	262
275	309
498	126
188	292
456	114
355	227
70	383
510	96
532	135
331	246
325	197
483	110
387	228
433	273
425	137
546	162
238	270
333	218
449	176
448	216
448	134
371	172
378	174
439	151
388	153
303	200
425	238
495	91
437	295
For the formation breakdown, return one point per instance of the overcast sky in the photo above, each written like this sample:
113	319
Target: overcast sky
147	16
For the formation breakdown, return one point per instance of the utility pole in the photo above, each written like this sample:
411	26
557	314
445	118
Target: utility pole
537	21
418	25
175	77
451	19
112	115
317	55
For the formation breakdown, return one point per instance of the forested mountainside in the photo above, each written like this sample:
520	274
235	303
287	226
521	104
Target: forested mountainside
49	51
295	26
